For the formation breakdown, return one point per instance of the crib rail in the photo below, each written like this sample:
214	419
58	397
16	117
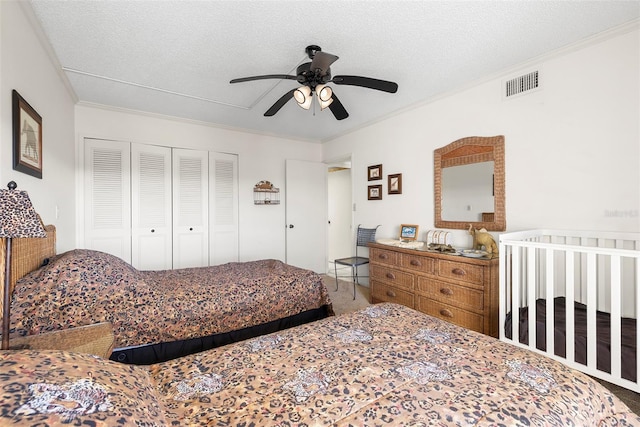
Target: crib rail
599	270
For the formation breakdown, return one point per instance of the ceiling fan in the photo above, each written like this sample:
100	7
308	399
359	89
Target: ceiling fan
314	77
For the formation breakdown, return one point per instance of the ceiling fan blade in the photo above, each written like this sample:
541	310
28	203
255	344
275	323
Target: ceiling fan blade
267	76
279	103
368	82
337	108
322	60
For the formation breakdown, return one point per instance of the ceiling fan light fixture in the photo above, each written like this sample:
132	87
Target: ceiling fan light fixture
325	96
324	92
302	95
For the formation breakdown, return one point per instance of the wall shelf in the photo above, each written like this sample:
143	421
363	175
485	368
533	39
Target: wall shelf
264	193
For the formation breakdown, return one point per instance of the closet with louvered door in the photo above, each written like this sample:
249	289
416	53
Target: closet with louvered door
160	207
190	208
151	216
107	197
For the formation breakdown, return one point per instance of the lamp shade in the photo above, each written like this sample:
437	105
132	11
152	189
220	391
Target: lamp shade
18	218
325	96
302	95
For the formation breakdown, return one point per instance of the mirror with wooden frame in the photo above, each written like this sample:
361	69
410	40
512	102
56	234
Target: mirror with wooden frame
469	184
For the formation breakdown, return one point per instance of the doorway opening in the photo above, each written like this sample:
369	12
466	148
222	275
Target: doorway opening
340	213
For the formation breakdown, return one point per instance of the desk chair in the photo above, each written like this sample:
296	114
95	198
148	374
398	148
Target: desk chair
364	236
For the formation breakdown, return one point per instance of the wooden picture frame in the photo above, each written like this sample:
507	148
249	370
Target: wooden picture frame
374	172
394	183
374	192
408	232
27	137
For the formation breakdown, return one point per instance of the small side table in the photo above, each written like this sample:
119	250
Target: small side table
96	339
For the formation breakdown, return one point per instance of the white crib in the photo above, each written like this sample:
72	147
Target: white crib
589	277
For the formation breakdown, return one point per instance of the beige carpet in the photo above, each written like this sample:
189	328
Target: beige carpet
342	299
343	303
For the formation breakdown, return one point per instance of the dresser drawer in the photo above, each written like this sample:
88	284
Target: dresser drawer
450	293
451	314
460	271
384	256
417	263
384	292
393	277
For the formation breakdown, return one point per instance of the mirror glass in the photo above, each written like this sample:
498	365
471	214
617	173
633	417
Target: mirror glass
469	184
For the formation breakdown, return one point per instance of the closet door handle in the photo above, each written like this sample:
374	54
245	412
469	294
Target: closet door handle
446	291
459	271
446	313
153	230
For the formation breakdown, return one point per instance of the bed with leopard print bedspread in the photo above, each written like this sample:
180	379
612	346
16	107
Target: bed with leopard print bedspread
83	287
384	365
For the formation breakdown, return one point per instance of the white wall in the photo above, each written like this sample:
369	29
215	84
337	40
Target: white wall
262	228
572	148
26	67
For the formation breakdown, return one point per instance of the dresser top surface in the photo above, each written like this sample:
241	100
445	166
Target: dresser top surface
435	254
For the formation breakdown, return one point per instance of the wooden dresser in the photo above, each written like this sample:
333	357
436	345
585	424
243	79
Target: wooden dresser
458	289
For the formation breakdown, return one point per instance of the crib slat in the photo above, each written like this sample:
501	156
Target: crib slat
616	317
570	306
549	301
592	361
531	295
515	297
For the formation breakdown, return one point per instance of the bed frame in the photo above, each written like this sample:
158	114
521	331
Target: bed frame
599	270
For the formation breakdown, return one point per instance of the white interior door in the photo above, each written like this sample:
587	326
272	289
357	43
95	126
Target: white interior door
108	197
190	208
223	208
306	214
151	231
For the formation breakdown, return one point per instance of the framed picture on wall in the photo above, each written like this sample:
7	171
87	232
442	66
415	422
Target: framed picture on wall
27	137
374	173
408	232
394	184
375	192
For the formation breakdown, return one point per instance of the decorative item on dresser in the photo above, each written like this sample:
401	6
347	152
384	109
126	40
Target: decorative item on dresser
458	289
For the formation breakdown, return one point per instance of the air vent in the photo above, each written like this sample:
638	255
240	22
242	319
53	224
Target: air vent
522	84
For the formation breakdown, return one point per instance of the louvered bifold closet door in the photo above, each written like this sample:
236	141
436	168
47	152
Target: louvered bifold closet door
107	193
223	208
151	247
190	208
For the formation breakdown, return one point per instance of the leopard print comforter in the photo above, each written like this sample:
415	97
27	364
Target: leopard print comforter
384	365
83	287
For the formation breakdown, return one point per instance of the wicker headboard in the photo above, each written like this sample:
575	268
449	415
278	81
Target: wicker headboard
26	255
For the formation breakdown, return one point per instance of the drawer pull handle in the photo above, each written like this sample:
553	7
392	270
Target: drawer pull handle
459	271
383	256
415	262
391	294
446	291
391	276
446	313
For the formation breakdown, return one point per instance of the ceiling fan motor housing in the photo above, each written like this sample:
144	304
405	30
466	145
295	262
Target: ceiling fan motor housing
312	78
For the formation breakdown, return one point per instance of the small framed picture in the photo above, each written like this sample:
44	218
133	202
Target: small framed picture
27	137
394	183
374	173
408	232
375	192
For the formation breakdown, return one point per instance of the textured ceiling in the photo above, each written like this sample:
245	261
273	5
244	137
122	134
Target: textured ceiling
176	57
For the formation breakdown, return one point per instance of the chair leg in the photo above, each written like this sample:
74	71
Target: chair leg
355	276
335	268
